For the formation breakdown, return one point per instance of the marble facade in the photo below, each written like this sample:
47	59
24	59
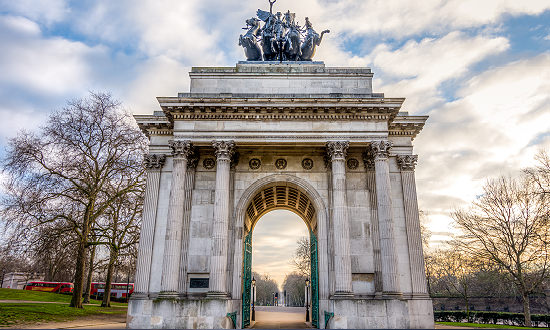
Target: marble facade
259	136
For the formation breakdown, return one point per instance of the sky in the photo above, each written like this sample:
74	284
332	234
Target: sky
274	243
479	69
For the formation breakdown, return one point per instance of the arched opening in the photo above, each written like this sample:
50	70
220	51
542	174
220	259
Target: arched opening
280	196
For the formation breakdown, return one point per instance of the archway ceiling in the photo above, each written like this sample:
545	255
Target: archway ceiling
281	196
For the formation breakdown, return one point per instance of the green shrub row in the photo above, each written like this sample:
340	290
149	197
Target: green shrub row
486	317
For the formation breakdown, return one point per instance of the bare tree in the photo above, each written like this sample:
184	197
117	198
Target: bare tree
64	172
294	285
509	226
265	287
121	231
302	259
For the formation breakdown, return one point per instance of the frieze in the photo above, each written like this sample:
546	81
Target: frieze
254	163
307	163
280	163
209	163
353	163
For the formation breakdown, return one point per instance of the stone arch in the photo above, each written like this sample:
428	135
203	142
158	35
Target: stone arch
317	223
312	215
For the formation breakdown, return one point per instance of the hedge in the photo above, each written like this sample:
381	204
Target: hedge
486	317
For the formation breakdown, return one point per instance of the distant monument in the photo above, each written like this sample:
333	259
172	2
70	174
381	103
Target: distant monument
281	38
292	135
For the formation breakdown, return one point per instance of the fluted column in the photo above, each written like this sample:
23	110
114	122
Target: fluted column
189	183
407	164
368	159
337	151
218	257
153	164
181	150
390	279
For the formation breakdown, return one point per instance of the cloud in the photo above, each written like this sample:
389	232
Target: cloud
48	12
495	127
45	65
417	69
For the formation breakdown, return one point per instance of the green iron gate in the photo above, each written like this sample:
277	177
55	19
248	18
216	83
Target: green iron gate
247	279
314	281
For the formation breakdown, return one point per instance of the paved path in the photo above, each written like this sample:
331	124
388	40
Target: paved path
280	318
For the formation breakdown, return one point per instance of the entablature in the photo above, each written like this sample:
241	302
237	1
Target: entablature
268	108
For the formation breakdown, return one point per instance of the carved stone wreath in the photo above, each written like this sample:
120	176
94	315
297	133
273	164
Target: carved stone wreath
353	163
208	163
307	163
280	163
254	163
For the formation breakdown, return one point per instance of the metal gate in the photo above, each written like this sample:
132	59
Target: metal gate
247	279
314	281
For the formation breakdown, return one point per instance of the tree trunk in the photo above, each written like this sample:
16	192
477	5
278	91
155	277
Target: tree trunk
89	279
76	300
526	310
107	294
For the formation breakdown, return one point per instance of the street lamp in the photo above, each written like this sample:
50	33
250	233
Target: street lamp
307	300
253	298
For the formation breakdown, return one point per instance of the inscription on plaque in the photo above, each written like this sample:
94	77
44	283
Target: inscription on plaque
199	283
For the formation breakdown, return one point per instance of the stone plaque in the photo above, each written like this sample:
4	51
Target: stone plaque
199	283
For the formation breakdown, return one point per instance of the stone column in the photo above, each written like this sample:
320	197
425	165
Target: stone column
181	150
337	151
218	256
390	279
192	162
368	159
414	239
154	164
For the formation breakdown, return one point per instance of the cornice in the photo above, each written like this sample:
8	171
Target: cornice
406	125
154	124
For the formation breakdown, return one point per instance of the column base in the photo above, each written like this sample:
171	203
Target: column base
342	295
392	295
139	296
168	295
217	295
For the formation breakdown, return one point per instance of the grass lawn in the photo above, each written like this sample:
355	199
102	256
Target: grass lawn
13	314
18	313
12	294
478	325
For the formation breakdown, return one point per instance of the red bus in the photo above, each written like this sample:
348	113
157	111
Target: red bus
118	290
56	287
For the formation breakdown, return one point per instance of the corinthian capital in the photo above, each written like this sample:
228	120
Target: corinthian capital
337	149
153	161
224	149
368	159
407	162
380	149
182	149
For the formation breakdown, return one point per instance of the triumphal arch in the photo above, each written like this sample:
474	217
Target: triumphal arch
269	134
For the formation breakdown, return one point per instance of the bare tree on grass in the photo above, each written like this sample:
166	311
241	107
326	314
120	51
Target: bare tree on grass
509	226
265	287
64	171
121	231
